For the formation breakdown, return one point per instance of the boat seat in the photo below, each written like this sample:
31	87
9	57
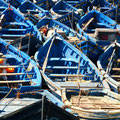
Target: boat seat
67	75
115	76
74	85
12	74
118	60
14	81
63	59
11	35
12	66
16	23
65	67
17	29
116	69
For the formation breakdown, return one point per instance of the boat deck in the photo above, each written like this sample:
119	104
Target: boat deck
95	102
9	105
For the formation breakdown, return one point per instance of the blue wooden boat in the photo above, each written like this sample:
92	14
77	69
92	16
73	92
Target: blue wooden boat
70	19
75	80
61	8
23	75
36	105
14	27
32	12
108	63
99	28
90	48
45	4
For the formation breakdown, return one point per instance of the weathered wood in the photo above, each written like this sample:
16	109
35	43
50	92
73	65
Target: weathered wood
110	62
67	75
115	76
64	67
15	81
118	69
10	74
87	23
118	60
10	66
49	81
46	59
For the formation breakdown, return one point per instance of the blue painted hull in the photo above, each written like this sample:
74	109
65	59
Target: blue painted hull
108	63
99	29
25	70
32	11
61	8
62	63
14	27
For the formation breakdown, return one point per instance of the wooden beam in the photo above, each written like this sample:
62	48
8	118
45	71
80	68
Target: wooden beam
115	76
116	69
87	23
68	75
14	81
46	59
10	74
10	66
118	60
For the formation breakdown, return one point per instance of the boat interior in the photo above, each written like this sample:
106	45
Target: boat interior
23	72
99	27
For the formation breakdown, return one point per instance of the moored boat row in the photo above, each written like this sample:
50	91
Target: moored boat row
73	52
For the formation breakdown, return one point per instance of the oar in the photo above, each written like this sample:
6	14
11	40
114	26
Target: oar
46	59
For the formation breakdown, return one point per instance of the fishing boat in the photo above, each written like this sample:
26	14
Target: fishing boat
108	63
18	72
70	19
99	28
102	5
37	105
45	4
14	26
90	48
61	8
32	12
75	80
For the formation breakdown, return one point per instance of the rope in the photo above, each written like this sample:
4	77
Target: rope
23	63
6	95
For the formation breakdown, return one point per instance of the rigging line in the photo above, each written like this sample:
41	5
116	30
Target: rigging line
6	95
46	59
79	81
23	63
70	20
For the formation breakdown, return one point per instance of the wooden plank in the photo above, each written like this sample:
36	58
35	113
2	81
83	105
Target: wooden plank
74	85
87	23
10	66
10	74
118	69
115	76
65	67
68	75
118	60
15	81
46	59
